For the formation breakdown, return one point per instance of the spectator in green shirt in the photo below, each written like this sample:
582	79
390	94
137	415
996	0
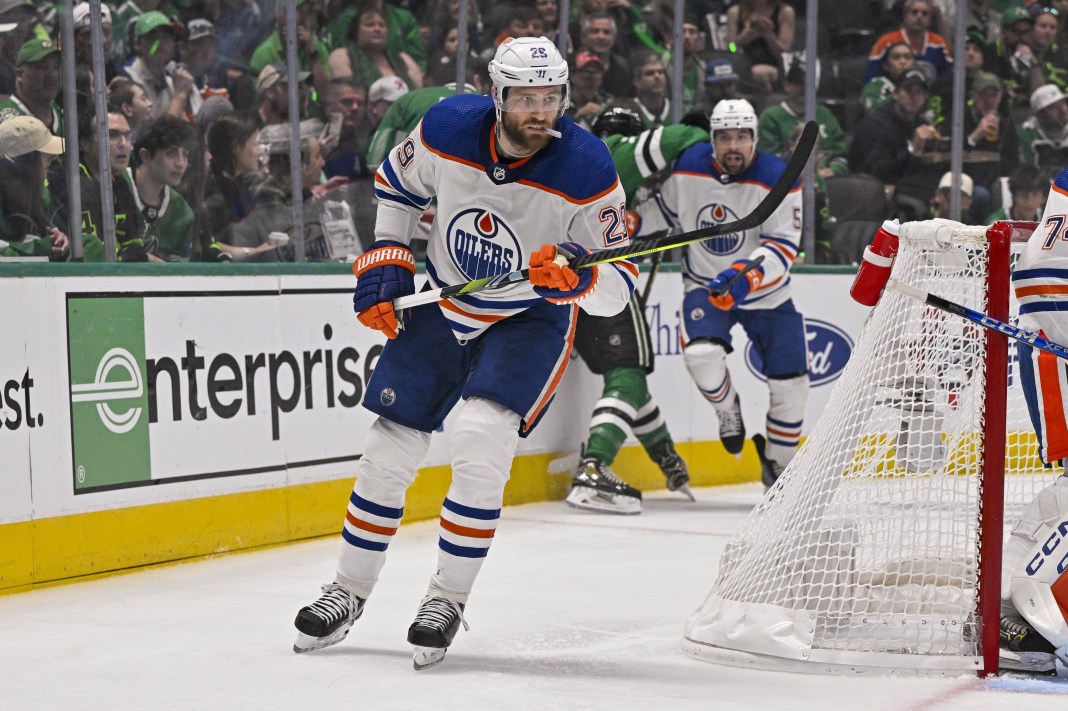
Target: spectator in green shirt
776	123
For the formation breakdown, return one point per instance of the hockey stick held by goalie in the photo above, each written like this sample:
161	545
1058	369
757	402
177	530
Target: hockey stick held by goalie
757	217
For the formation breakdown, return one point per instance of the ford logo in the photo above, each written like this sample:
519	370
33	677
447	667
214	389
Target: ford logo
829	348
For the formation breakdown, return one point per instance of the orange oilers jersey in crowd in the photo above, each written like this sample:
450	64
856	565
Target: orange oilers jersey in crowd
492	215
699	194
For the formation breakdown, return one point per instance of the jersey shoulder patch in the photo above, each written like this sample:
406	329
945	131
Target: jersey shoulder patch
766	169
578	164
696	159
451	126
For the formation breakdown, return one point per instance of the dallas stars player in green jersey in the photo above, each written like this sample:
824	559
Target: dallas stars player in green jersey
619	347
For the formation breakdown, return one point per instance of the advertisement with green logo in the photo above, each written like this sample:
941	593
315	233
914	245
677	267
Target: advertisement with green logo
109	400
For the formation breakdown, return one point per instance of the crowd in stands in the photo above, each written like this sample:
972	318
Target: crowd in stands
199	142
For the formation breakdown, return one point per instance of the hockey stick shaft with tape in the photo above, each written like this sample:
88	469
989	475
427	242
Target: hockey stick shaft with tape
760	214
1024	336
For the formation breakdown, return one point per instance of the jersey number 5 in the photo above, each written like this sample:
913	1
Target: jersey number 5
615	225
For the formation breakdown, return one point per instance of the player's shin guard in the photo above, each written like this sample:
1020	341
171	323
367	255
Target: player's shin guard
786	414
484	440
707	363
392	454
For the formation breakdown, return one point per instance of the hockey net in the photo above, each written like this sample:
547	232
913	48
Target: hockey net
879	547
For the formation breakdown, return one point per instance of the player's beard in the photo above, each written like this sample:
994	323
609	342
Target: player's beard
515	130
735	162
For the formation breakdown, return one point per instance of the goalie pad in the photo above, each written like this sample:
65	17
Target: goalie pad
1036	565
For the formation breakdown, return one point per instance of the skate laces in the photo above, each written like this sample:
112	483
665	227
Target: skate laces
730	419
438	613
336	603
600	471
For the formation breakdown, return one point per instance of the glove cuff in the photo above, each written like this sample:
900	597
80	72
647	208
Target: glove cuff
386	254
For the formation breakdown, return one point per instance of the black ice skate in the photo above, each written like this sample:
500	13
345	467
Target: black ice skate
328	620
436	623
731	426
770	470
673	467
1023	649
597	488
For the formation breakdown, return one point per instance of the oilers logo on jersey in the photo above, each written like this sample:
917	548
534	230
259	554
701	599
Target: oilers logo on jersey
482	245
716	214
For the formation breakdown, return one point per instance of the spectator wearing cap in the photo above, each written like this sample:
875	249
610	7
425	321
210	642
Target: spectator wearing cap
312	51
168	85
763	29
598	34
587	93
347	98
1028	188
650	100
939	205
273	197
403	34
196	50
991	142
1051	57
382	94
777	122
127	97
885	140
879	91
1010	57
83	39
721	82
27	148
17	20
1044	136
366	55
915	32
36	85
272	88
693	65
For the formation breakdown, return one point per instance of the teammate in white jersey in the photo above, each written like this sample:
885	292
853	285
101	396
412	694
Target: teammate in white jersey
722	182
1034	586
510	174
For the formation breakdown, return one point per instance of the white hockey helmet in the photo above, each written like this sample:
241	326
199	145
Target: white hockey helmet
733	113
527	61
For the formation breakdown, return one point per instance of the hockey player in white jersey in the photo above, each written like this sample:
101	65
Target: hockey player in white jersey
718	182
517	183
1034	586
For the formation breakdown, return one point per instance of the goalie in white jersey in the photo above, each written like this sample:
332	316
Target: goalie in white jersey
512	177
1035	565
717	183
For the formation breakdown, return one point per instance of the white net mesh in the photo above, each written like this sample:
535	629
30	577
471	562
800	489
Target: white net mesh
865	551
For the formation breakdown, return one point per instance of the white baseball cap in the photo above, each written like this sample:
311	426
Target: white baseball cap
966	183
387	89
1046	95
81	15
20	135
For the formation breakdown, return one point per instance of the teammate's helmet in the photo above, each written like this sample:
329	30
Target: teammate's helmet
618	121
527	61
733	113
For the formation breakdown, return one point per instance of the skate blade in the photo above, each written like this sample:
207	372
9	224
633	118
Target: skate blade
307	643
426	657
591	500
685	491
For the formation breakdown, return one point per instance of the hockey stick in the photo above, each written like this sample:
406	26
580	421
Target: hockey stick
757	217
745	270
1024	336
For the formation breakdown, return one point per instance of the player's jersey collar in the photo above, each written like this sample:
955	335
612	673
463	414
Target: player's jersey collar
499	171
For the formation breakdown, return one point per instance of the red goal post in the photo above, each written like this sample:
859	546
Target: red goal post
879	549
